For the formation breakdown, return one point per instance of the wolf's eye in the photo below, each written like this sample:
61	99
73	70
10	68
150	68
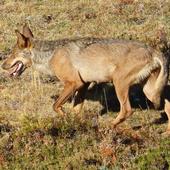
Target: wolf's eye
26	53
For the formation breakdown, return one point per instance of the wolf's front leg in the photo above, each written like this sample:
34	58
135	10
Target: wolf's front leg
69	89
79	98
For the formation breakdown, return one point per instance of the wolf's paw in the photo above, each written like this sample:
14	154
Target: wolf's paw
166	133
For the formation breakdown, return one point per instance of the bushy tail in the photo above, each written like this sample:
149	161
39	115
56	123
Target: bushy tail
163	74
162	78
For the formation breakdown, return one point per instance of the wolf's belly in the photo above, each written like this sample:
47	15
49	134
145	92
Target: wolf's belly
96	76
95	71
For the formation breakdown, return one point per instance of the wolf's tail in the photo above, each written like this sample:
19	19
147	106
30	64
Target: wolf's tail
162	78
163	74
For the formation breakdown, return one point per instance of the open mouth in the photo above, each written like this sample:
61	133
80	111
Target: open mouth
17	69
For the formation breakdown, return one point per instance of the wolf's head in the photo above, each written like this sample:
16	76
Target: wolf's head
20	57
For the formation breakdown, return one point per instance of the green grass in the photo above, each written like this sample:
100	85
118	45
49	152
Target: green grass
33	136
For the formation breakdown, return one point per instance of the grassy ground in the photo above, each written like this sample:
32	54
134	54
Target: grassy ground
33	136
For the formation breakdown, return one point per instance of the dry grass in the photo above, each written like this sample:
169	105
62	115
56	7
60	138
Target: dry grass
32	136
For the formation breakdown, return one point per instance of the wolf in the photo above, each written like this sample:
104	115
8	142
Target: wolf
167	111
81	61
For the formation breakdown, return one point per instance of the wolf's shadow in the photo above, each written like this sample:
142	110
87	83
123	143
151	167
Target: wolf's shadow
106	95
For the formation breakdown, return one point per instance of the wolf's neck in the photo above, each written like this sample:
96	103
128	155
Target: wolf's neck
41	57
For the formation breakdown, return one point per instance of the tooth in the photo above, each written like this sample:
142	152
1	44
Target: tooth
19	66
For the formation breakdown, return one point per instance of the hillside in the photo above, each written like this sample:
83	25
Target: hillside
33	136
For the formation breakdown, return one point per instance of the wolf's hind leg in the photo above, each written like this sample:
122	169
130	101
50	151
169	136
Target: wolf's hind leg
122	92
167	111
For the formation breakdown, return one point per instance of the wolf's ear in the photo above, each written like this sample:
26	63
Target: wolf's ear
22	41
27	32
